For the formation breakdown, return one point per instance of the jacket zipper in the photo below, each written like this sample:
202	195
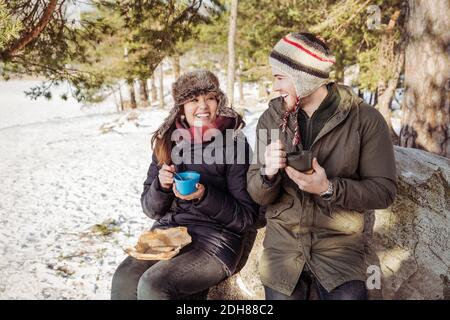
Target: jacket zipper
309	134
308	130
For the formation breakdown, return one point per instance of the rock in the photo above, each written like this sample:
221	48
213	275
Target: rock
245	284
410	240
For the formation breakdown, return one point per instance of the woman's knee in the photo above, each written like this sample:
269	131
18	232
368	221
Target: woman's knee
126	278
155	284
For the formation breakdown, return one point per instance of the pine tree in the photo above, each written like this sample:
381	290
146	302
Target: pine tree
76	50
47	43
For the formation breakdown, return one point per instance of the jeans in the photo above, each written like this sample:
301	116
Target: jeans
190	272
352	290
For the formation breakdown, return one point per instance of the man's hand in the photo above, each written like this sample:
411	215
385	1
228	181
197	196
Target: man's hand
196	195
275	158
315	183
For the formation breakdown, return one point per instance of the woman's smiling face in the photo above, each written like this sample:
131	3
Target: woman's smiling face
201	111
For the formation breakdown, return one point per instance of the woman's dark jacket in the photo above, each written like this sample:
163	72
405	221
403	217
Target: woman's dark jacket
219	221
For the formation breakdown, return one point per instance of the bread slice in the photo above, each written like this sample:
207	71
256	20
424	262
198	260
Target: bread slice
160	244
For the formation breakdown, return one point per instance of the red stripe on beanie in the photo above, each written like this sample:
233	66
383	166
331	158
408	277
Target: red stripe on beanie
306	50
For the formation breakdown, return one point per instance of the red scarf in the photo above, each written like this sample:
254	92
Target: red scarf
196	134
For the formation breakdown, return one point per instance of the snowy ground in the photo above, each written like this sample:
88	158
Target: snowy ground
70	195
59	179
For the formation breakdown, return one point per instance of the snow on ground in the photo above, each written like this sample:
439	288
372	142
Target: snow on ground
70	194
71	179
18	109
59	179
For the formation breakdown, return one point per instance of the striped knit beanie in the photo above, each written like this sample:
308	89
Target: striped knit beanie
305	58
308	61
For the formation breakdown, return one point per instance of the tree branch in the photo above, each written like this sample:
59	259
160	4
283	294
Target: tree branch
33	34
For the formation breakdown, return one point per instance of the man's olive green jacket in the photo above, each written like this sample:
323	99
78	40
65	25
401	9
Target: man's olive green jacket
355	149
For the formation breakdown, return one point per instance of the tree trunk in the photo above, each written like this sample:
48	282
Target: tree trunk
241	90
360	93
240	84
262	91
161	86
32	34
339	71
372	98
386	92
391	60
121	98
375	98
231	51
176	66
153	88
143	92
133	103
426	105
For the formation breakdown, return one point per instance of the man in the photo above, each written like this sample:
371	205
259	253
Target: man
314	232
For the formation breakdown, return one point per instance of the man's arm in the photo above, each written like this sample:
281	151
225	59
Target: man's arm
377	186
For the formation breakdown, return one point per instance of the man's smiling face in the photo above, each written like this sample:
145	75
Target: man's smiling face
285	87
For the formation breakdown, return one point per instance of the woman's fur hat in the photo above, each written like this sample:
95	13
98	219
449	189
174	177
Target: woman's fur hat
190	85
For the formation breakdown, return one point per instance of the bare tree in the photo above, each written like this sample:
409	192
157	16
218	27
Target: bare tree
161	86
130	82
176	66
120	98
132	91
391	58
153	90
240	83
143	92
231	51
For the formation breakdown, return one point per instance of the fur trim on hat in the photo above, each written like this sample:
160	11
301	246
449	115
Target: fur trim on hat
191	85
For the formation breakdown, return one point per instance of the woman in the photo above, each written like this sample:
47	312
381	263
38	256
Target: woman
217	214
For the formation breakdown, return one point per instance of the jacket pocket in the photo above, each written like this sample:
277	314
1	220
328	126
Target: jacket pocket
341	220
274	210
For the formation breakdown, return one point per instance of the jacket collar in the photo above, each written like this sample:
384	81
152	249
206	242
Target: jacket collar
348	101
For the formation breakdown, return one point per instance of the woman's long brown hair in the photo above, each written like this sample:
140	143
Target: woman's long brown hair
162	147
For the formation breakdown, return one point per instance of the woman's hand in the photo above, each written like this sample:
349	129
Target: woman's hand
165	176
197	195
